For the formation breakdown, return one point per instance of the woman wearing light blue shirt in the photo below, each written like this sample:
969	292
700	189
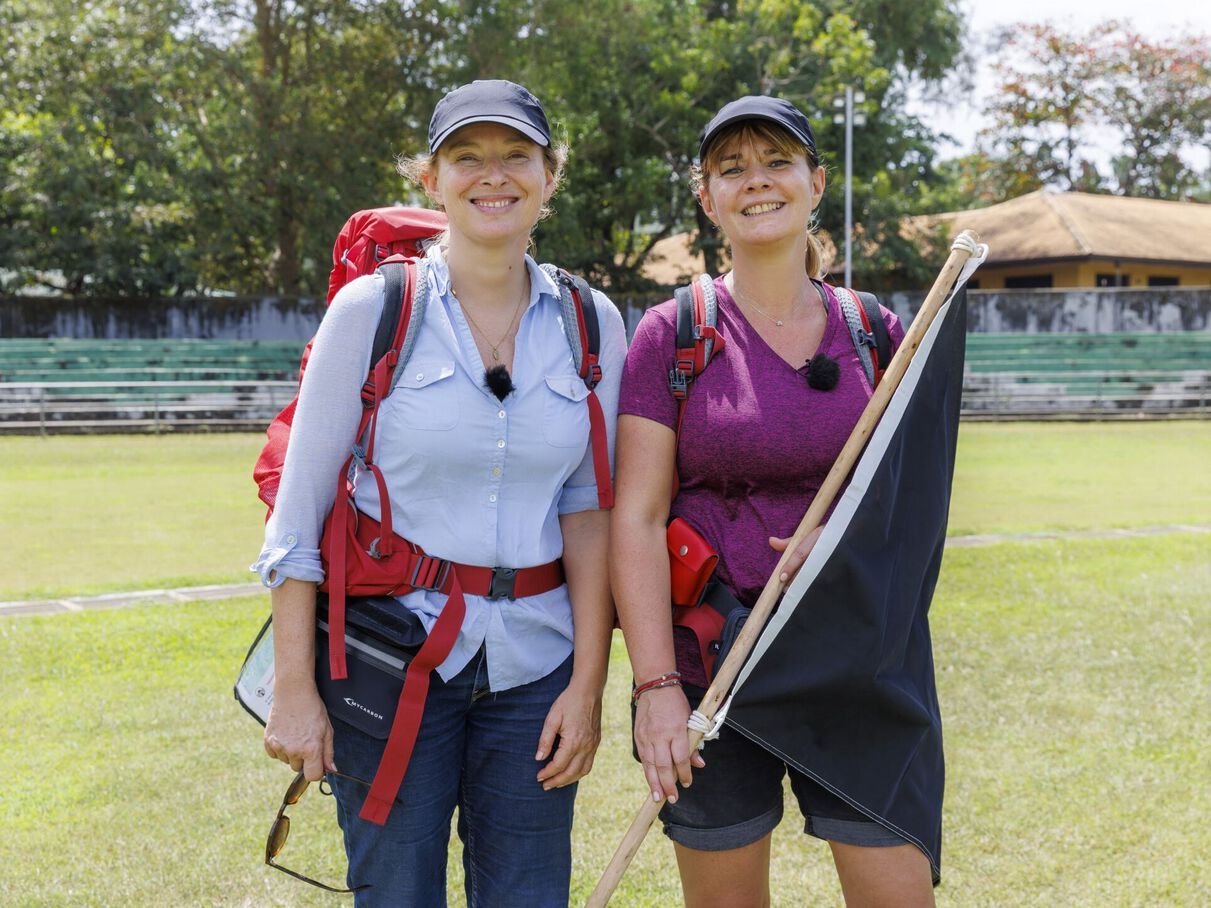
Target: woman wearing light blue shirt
485	448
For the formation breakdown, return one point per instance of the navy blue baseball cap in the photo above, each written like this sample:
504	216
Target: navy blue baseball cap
489	101
759	107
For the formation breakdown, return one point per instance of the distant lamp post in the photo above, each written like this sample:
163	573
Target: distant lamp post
850	119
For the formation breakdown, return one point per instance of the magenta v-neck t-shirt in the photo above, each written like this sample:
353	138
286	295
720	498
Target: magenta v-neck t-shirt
756	442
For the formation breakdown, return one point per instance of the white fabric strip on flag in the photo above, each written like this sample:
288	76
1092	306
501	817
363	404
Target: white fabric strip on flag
863	472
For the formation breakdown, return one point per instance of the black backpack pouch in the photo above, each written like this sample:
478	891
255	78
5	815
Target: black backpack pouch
720	598
381	637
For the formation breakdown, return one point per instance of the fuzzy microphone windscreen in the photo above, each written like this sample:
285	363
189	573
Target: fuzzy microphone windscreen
498	381
823	372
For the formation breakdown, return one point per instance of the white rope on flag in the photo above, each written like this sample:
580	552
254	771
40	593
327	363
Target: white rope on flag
704	726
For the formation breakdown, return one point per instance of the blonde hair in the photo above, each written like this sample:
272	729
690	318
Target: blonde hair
763	134
416	168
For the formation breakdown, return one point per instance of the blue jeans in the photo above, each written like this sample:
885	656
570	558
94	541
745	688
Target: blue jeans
475	751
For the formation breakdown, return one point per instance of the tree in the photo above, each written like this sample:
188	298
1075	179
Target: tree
220	143
635	109
1057	88
1044	104
89	191
1158	98
295	117
215	143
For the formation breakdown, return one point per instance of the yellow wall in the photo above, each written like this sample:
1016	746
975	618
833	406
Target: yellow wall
1084	274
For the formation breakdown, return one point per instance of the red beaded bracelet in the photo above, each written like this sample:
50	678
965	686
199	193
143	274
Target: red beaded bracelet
670	679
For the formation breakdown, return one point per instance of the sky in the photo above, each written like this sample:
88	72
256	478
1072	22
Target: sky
1154	18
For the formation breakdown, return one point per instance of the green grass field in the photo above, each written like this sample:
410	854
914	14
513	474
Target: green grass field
1072	676
94	515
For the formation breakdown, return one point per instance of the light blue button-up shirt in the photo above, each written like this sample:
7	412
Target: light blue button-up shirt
471	479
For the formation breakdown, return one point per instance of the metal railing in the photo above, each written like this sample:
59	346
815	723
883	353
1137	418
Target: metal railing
1087	394
151	406
30	408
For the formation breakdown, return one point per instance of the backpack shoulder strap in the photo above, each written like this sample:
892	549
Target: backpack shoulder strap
580	320
865	340
696	341
582	329
411	313
405	298
393	309
877	327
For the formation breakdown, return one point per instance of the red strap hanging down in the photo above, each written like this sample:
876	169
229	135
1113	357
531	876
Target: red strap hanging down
336	582
597	438
590	372
406	725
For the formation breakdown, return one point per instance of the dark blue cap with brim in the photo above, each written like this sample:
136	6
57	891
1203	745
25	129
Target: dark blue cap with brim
489	101
759	107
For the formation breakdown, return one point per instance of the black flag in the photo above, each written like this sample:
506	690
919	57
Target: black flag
841	682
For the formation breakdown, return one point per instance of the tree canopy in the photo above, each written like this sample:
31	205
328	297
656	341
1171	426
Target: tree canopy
1058	89
176	145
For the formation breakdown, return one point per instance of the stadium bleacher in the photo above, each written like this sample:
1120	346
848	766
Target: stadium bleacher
1106	376
76	384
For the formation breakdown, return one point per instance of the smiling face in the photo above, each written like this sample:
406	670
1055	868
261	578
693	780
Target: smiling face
759	185
492	182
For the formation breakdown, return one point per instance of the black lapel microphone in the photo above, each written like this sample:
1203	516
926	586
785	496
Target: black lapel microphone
823	372
499	382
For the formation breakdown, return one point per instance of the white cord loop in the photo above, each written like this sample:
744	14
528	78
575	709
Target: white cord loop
707	728
965	242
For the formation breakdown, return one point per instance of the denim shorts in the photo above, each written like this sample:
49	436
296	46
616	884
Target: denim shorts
474	753
736	799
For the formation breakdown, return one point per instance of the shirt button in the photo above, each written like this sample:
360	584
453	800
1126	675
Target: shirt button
501	414
290	539
496	471
491	498
500	442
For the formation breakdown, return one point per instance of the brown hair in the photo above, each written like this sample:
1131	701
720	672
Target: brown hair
416	167
763	134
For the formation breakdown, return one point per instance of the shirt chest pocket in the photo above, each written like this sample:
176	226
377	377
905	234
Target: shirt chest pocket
426	395
565	422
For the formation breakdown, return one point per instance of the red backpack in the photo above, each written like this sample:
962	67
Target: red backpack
365	557
367	240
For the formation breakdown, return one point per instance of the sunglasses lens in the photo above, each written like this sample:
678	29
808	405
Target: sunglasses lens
277	836
296	789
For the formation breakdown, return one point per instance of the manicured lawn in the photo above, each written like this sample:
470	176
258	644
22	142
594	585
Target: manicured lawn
1072	678
1015	477
94	515
86	515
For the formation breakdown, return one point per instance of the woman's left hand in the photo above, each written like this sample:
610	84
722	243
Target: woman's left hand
798	556
575	718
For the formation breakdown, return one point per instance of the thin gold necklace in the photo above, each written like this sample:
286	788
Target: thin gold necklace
739	297
495	347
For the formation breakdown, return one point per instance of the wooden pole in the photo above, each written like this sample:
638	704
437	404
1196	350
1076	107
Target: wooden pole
959	254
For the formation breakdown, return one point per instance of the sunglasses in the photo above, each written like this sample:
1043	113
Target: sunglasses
280	829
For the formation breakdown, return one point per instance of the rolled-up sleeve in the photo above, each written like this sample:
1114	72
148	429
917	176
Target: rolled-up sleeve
322	433
579	492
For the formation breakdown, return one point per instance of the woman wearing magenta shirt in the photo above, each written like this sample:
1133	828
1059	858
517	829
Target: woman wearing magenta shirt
761	430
